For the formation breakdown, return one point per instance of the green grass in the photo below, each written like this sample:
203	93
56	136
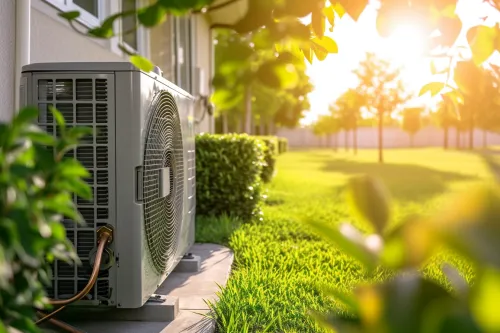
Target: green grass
280	264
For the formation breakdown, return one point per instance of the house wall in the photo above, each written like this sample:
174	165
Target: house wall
7	58
54	40
203	59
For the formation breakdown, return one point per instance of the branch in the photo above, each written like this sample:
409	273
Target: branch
217	7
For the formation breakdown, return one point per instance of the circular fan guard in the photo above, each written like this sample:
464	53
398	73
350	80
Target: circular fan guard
163	148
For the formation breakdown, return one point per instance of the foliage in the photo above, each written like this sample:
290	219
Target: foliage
412	121
36	187
281	265
282	145
228	171
467	224
270	153
381	89
347	108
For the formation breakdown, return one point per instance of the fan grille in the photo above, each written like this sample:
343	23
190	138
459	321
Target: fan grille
163	149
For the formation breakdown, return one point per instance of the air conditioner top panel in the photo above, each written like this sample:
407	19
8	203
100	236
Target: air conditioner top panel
117	66
103	67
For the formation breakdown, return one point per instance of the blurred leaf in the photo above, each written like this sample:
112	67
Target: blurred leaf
466	76
25	116
41	138
323	46
59	118
70	15
484	300
142	63
329	14
350	245
318	22
153	15
353	8
337	7
70	167
434	88
370	200
482	42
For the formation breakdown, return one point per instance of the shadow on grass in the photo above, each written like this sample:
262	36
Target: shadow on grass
407	182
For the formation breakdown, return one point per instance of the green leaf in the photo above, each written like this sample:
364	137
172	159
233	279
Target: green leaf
142	63
25	116
434	88
70	167
484	300
152	15
482	42
71	15
349	245
58	117
369	198
76	133
41	138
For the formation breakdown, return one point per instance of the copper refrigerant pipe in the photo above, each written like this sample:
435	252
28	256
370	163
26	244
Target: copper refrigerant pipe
105	237
62	325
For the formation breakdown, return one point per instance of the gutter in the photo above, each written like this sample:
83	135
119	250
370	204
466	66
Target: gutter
23	34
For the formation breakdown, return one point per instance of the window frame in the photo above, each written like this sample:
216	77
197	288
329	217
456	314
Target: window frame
138	31
190	58
87	19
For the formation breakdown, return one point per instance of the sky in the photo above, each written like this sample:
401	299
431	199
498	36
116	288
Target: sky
332	76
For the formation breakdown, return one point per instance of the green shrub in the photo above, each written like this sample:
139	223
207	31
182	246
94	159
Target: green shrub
228	170
282	145
271	151
36	190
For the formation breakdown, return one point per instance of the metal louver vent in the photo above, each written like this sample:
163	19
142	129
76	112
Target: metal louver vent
163	151
82	101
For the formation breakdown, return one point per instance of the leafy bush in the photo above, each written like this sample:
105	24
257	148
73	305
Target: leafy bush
468	225
282	145
36	189
271	151
228	170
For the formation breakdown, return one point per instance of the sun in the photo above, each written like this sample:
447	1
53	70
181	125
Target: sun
406	45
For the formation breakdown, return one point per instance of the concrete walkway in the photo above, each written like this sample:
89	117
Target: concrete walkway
192	289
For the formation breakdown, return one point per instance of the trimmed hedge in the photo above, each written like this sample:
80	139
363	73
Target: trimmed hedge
271	151
282	145
228	175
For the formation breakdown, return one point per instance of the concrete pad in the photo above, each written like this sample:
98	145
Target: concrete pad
191	289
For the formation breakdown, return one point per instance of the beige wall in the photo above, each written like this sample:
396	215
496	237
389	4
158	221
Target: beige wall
203	49
7	56
52	39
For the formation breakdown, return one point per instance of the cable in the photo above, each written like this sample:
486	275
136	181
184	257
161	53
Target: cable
105	236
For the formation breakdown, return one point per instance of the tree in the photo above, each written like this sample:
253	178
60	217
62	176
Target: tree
412	122
326	126
347	107
446	117
381	89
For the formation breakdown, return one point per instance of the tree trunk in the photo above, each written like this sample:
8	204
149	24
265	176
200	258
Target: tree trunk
445	138
346	140
457	144
380	138
239	125
411	140
261	126
328	140
225	125
248	110
485	143
355	140
335	141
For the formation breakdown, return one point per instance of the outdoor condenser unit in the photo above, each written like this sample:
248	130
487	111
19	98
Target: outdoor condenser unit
141	159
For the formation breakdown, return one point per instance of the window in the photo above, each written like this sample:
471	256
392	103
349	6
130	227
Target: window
90	6
91	11
129	25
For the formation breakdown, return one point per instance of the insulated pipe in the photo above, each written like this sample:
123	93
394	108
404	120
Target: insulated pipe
23	26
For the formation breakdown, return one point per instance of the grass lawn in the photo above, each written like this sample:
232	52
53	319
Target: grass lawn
279	263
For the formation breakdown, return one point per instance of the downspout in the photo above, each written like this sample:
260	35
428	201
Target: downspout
23	26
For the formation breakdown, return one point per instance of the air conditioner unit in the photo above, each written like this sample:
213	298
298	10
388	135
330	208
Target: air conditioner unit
142	164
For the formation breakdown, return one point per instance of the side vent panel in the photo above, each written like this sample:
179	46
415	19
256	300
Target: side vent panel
83	100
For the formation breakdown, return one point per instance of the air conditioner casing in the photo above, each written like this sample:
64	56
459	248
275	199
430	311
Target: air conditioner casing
137	130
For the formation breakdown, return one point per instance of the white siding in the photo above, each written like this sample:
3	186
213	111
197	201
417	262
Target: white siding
7	56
